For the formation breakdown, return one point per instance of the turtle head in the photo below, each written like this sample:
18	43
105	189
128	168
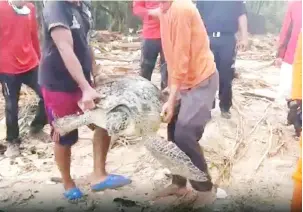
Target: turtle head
118	120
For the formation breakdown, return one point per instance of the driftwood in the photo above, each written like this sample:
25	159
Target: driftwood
268	148
259	95
278	148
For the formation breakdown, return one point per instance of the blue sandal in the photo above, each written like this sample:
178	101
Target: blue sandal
73	194
111	182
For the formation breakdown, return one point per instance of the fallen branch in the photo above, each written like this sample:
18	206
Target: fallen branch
260	120
276	151
236	147
253	130
237	108
268	148
247	93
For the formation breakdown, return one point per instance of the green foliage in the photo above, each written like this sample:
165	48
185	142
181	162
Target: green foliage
118	15
272	11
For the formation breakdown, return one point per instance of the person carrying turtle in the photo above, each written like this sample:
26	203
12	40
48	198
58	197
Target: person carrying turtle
193	77
65	78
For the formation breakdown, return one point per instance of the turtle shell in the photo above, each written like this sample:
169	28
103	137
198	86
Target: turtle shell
141	97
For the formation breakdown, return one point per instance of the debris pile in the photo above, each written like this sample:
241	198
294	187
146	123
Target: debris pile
261	48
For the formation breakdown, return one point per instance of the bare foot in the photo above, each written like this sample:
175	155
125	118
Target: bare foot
94	179
205	198
171	190
12	151
69	185
189	197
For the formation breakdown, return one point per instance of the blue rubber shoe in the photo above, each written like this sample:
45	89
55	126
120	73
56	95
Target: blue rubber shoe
111	182
73	194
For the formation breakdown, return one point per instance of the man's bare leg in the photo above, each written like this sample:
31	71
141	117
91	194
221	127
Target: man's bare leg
101	142
101	180
63	160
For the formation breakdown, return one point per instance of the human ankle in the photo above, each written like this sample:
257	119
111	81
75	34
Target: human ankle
97	175
69	184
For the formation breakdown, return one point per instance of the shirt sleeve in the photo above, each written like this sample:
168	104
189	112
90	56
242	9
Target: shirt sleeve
55	14
139	8
181	45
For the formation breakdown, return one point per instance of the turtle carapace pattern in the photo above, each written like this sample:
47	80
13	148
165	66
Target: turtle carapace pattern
131	106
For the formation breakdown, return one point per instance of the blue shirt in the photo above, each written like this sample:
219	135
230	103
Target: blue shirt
53	74
221	16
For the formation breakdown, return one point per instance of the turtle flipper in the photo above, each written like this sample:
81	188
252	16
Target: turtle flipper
173	158
69	123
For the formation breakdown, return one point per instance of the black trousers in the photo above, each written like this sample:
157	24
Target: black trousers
11	85
224	50
151	48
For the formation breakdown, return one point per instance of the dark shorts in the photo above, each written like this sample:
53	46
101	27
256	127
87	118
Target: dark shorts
59	104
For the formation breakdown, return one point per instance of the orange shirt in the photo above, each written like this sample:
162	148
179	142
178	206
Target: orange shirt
297	95
298	173
297	71
185	45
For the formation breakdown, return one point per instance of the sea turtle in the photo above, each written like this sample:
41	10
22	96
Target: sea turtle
131	106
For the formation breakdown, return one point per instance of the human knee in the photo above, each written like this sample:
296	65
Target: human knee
188	131
147	68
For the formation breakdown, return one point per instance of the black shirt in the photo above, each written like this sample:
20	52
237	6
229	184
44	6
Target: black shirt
53	74
221	16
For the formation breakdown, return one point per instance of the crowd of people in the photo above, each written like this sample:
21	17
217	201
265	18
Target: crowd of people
197	44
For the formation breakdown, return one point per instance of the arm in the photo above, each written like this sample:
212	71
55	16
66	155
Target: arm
285	33
243	26
62	38
94	65
181	50
58	22
34	32
139	8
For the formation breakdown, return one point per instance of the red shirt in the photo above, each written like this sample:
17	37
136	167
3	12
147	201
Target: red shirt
151	26
19	43
290	31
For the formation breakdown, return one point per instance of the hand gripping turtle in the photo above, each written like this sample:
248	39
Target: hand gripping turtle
131	106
